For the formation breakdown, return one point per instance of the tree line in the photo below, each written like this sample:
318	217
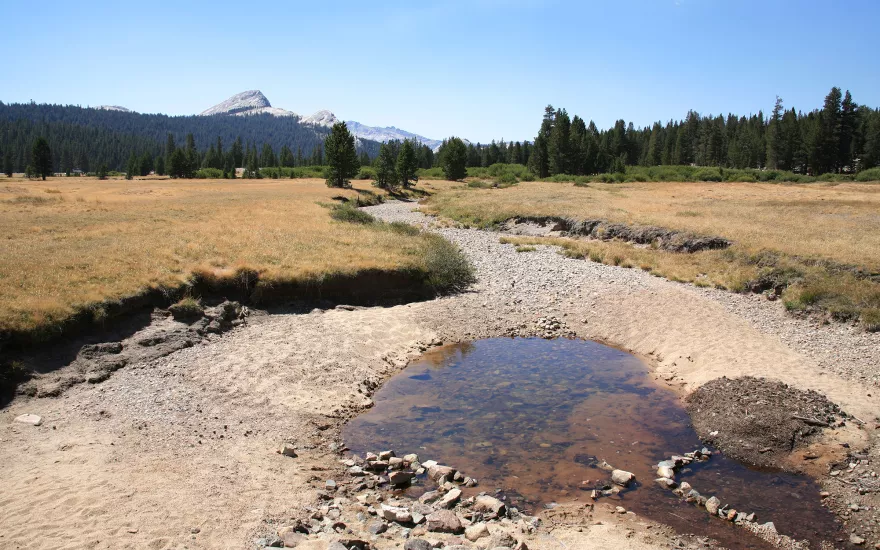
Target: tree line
841	137
83	139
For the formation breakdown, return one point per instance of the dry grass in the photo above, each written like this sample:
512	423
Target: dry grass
71	242
837	222
792	236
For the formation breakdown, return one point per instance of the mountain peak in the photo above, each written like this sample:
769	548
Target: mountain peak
245	101
321	118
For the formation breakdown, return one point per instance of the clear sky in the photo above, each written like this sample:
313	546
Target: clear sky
481	69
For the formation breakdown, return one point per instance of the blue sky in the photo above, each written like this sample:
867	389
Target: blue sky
481	69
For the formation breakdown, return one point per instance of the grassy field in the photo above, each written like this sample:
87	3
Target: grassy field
70	244
818	241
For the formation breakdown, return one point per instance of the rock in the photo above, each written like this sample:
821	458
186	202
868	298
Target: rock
429	497
449	499
692	496
32	419
486	503
400	478
438	471
685	487
731	514
396	513
429	463
666	471
712	505
444	521
622	477
476	532
417	544
501	539
411	458
356	471
377	528
620	510
330	485
665	482
395	463
385	455
857	540
371	457
291	538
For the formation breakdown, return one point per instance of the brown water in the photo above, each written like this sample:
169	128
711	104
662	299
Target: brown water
532	417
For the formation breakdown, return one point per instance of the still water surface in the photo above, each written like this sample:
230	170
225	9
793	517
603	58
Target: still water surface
532	417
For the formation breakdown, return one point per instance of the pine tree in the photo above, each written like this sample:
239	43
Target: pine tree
848	122
453	159
42	158
160	165
342	159
132	167
102	172
558	150
7	163
406	164
179	164
386	175
775	142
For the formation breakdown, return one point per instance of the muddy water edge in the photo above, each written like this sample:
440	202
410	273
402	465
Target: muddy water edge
533	418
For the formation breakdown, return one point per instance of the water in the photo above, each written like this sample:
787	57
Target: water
532	416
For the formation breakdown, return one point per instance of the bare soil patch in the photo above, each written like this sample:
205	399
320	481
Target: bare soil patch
760	421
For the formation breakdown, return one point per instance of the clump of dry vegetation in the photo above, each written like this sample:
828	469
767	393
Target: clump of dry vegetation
816	246
107	242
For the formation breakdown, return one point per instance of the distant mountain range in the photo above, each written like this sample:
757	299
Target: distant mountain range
253	102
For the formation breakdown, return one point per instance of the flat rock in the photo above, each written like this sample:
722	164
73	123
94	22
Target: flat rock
400	477
32	419
396	513
444	521
438	471
486	503
417	544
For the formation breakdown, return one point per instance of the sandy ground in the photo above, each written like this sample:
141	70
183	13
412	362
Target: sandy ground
179	452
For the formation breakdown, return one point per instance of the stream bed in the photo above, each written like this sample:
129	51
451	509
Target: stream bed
533	417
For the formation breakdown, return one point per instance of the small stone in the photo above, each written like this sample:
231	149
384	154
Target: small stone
857	540
731	514
449	499
395	463
486	503
411	458
429	497
330	485
665	482
622	477
501	540
437	471
371	457
417	544
385	455
666	471
444	521
476	532
356	471
400	478
685	487
620	510
692	496
32	419
712	505
195	531
396	513
378	527
429	463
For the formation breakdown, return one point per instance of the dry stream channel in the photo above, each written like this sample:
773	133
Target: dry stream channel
534	418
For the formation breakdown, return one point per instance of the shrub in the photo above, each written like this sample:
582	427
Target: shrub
210	173
870	319
348	213
872	174
708	174
447	267
403	228
187	308
366	173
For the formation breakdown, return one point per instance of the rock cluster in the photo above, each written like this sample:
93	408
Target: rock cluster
442	513
666	471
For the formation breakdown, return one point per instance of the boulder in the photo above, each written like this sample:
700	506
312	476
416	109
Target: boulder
502	539
622	477
411	458
417	544
385	455
444	521
665	482
666	471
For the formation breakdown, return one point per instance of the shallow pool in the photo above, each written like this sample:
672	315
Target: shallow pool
532	417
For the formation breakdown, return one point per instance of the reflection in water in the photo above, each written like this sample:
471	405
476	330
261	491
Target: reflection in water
532	417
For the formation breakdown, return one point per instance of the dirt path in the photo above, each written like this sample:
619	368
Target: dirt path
180	451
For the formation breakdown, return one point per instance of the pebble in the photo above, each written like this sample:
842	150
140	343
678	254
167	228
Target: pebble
31	419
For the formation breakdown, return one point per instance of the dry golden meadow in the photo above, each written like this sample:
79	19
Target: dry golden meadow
71	242
806	236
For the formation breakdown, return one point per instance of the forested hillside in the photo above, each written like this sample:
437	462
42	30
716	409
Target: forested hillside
82	138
